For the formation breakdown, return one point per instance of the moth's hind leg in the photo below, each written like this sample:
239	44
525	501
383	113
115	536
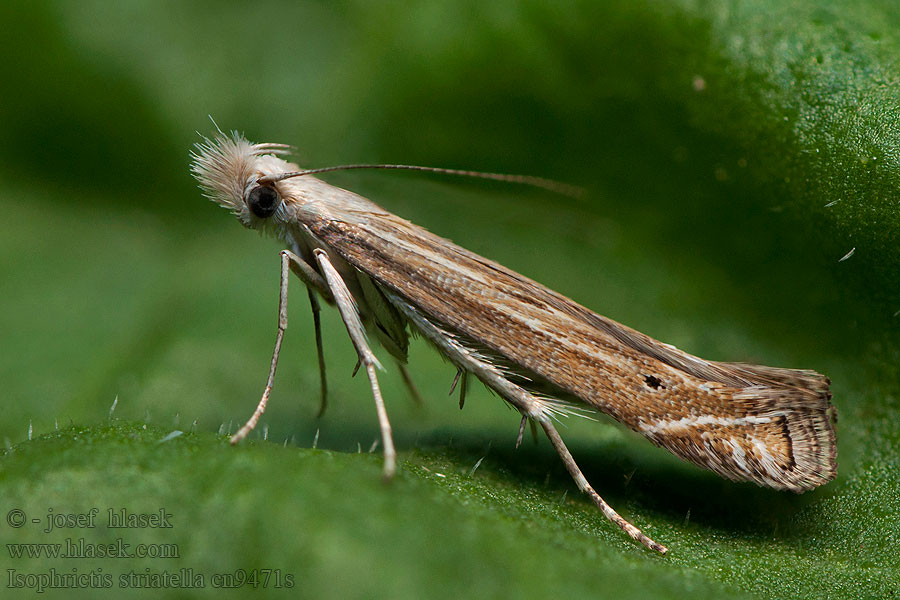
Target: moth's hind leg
584	486
529	405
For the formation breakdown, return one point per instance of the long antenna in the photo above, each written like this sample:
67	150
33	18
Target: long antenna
547	184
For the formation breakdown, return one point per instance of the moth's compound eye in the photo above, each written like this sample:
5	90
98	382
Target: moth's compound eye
263	201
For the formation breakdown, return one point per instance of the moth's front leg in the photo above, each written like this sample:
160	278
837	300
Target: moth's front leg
312	280
286	258
350	316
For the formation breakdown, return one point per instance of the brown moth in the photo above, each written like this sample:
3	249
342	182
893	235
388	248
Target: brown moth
541	352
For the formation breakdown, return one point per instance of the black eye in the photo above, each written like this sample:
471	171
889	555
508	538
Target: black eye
263	201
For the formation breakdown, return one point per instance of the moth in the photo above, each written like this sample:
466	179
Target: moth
538	350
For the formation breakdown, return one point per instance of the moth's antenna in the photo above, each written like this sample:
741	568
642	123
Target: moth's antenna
547	184
216	125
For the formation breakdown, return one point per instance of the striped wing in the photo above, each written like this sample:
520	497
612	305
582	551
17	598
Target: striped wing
745	422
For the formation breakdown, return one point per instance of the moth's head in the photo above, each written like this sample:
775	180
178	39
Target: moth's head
229	168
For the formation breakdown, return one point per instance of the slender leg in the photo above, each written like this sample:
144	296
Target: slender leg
350	316
308	275
527	404
456	377
410	385
390	455
279	336
521	432
464	375
584	486
314	281
317	324
462	389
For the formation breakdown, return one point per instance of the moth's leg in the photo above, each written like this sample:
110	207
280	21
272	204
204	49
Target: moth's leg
314	281
584	486
464	375
410	384
317	324
350	316
466	361
521	431
530	407
308	275
521	435
456	377
279	336
462	389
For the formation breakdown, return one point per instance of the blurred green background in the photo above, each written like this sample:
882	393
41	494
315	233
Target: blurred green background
734	153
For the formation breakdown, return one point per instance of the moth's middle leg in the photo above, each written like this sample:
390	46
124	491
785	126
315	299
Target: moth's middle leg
350	316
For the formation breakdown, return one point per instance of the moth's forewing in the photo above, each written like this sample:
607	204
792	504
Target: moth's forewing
763	424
